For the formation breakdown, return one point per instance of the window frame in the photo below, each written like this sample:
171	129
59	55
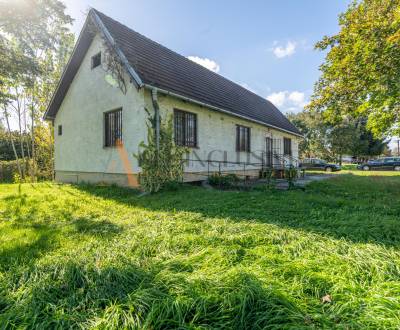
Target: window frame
181	138
287	142
93	66
243	145
109	142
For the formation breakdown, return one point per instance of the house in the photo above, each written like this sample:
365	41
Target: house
115	74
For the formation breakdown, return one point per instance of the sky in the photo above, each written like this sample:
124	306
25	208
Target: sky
265	46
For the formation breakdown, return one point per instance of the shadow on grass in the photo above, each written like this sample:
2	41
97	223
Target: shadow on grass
26	253
39	236
357	208
102	228
79	295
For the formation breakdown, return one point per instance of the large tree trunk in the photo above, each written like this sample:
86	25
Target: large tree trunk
12	142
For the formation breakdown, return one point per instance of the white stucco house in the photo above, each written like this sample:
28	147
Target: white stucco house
214	117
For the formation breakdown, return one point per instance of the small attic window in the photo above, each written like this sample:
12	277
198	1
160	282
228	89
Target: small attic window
96	60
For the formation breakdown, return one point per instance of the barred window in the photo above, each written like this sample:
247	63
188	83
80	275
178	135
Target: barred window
113	128
96	60
287	146
185	128
242	138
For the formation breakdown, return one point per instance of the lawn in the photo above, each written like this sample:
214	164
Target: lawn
101	257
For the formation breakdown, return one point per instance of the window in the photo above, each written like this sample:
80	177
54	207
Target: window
185	127
113	128
287	146
59	129
242	138
96	60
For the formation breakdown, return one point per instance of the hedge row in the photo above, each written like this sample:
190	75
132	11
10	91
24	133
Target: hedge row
9	169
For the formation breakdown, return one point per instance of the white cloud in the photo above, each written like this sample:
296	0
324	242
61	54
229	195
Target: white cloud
278	99
297	98
206	62
283	51
288	101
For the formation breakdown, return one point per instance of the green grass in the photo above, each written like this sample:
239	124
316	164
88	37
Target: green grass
101	257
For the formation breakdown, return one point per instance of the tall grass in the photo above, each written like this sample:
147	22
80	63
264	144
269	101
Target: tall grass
99	257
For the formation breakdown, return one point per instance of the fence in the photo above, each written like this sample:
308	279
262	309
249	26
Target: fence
244	170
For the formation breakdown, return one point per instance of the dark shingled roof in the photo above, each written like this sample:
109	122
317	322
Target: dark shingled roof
160	67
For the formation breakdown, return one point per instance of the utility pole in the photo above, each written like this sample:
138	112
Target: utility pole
398	148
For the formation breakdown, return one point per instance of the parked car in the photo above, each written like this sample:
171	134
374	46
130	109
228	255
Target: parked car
386	163
318	164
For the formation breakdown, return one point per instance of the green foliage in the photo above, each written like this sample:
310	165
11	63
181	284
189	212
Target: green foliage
269	175
108	258
223	181
35	44
352	167
332	141
160	168
30	28
9	170
361	72
6	151
314	131
291	175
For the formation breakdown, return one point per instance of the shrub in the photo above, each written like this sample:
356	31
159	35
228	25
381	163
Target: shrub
9	170
269	175
223	181
291	176
162	167
351	167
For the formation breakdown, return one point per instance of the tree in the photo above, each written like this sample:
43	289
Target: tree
361	73
314	131
6	151
342	139
332	141
35	43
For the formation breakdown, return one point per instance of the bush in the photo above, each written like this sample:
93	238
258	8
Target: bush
349	167
223	181
9	170
269	175
161	168
291	176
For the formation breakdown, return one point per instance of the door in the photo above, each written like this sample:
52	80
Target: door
268	152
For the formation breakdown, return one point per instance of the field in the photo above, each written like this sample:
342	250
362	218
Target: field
107	257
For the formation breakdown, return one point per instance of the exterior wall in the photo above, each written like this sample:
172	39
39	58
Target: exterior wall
217	137
79	152
80	147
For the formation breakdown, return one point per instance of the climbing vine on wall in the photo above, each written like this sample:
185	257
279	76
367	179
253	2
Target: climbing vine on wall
164	166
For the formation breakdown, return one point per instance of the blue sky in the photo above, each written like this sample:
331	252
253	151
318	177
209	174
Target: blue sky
266	46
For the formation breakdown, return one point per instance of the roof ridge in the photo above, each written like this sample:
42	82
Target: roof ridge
182	56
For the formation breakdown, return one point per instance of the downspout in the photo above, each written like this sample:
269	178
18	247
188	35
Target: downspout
157	117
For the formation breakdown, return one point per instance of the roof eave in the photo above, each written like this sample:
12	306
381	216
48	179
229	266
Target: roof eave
93	17
188	99
46	115
134	75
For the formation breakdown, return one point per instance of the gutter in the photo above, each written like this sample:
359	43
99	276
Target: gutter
157	116
188	99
